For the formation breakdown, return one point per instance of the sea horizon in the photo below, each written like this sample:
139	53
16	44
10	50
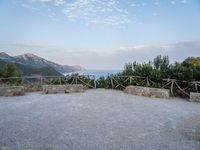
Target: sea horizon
96	72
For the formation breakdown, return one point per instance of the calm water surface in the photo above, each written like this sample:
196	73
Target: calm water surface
97	73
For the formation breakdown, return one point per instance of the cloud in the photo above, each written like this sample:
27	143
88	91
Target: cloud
104	12
172	2
184	1
55	2
138	4
156	3
26	44
59	2
101	12
140	53
111	59
30	7
98	12
43	1
176	51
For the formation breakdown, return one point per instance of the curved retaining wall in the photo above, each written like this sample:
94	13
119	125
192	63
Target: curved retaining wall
12	91
53	89
148	92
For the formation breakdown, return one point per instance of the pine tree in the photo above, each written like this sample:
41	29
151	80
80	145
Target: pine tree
9	70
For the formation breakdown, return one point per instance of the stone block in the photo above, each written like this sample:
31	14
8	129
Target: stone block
32	88
53	89
148	92
194	97
12	91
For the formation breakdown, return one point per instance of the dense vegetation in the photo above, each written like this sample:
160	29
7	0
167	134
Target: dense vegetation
153	73
160	68
195	61
9	71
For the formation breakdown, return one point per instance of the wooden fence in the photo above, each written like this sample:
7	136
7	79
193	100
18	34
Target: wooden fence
116	82
176	87
87	81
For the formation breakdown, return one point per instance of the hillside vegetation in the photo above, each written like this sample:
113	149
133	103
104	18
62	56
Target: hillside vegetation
160	68
156	70
25	70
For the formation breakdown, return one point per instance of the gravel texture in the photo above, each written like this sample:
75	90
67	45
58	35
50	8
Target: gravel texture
98	120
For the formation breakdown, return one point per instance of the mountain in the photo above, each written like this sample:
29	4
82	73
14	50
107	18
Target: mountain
35	61
78	68
5	56
26	70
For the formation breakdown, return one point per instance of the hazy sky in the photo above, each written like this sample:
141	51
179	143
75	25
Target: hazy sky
100	34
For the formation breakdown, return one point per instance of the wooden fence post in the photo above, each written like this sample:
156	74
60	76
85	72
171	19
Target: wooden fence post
130	80
59	80
22	82
172	87
196	87
95	84
41	80
148	81
112	83
76	79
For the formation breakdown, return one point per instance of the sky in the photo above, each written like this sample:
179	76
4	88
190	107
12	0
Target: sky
100	34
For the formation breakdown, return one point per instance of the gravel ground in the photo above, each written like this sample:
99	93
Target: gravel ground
98	120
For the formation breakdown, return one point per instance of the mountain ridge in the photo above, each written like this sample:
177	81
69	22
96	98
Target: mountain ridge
26	70
39	62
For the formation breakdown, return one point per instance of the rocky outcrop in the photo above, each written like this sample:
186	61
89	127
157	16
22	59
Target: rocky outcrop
146	91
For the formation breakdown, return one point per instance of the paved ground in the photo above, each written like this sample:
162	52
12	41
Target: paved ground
98	120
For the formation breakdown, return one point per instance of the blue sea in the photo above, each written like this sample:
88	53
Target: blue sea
96	73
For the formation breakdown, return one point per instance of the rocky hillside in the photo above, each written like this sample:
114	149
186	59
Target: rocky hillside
26	70
35	61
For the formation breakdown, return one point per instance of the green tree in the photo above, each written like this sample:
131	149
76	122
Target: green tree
180	72
161	66
1	73
194	61
10	71
103	82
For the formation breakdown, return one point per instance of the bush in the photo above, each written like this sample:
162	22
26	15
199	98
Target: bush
103	82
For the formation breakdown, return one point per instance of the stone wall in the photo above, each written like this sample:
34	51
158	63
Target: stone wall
12	91
53	89
32	88
146	91
194	97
